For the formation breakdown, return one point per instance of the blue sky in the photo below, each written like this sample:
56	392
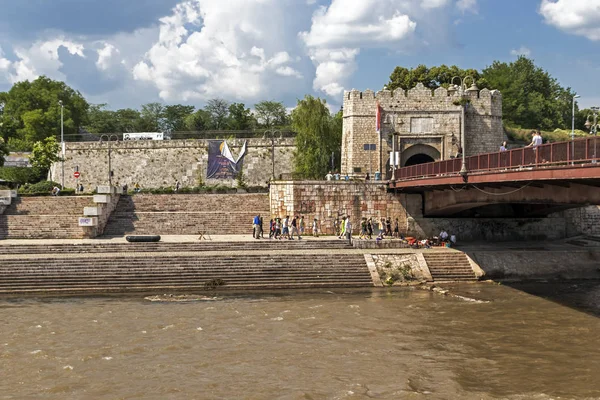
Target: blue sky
127	53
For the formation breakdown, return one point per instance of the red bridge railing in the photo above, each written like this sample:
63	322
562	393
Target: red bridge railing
579	151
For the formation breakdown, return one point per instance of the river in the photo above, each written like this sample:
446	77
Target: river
479	341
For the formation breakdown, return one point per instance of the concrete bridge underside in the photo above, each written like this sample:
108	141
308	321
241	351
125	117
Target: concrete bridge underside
530	193
518	200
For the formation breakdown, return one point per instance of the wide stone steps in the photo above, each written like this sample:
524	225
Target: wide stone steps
185	223
162	288
257	245
449	266
48	205
187	214
78	275
193	202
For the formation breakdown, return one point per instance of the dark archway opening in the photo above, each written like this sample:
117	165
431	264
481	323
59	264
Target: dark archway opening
418	159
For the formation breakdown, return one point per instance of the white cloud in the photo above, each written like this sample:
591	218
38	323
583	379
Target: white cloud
41	58
4	63
106	56
206	50
579	17
521	51
467	6
288	71
340	31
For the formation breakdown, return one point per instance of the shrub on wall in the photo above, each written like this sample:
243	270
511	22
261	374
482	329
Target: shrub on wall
43	188
20	175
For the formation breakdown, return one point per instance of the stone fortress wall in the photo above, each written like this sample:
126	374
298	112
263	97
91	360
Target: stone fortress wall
427	122
154	163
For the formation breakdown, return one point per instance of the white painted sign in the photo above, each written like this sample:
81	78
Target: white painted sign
88	221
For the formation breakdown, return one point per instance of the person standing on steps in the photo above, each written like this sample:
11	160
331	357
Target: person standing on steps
348	229
343	228
255	226
261	233
294	228
302	225
396	229
370	228
286	227
315	228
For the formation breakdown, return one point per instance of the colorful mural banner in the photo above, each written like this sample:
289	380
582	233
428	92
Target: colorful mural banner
221	164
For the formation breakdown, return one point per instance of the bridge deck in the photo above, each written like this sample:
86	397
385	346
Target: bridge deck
558	164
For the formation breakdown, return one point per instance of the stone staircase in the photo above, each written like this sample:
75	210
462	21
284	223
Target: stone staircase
449	266
187	214
44	217
216	246
165	272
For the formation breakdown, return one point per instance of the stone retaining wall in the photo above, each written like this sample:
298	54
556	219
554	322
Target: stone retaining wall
154	164
331	200
584	221
538	264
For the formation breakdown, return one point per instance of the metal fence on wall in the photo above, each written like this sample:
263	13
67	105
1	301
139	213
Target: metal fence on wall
190	135
579	151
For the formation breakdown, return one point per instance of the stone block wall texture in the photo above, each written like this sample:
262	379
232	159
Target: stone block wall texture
187	214
154	164
328	201
427	122
583	221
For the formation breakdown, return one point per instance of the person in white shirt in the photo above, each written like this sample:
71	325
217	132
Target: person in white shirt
349	230
329	176
443	235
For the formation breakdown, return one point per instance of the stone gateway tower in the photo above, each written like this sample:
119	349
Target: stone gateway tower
425	125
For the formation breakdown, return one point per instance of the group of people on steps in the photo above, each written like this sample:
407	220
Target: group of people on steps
283	228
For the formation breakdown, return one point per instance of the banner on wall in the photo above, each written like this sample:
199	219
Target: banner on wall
221	164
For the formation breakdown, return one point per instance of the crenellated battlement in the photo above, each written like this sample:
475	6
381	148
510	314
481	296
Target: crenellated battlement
484	101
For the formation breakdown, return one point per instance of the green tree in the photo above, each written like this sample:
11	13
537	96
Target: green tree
219	111
531	97
318	135
198	121
31	111
3	151
101	120
128	120
271	113
45	152
432	78
240	117
152	118
175	117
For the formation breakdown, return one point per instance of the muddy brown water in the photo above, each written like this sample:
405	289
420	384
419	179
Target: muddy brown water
531	341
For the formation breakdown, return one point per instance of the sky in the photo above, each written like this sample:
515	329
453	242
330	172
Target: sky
128	53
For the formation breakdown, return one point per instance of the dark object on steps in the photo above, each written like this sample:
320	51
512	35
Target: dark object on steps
146	238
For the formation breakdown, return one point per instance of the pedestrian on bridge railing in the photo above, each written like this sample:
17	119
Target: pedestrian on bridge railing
536	139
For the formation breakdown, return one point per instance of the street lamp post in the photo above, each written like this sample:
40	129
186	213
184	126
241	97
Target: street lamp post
393	155
271	133
573	131
593	127
109	139
62	145
462	91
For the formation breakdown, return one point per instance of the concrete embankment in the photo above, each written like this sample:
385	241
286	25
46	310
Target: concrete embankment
578	259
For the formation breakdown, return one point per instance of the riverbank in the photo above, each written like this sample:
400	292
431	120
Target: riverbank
186	264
